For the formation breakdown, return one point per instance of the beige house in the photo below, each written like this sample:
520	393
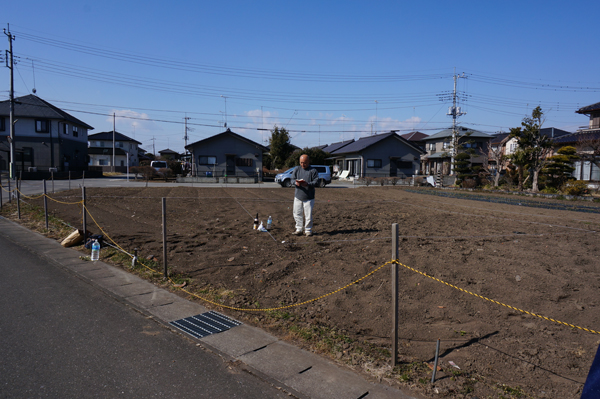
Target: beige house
438	147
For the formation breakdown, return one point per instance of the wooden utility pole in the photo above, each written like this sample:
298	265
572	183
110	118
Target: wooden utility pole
9	64
113	157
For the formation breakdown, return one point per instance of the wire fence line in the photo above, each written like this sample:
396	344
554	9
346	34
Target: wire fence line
117	246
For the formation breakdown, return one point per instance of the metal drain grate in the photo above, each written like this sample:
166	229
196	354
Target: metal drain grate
205	324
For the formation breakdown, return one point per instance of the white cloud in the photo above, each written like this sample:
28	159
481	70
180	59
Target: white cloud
384	125
131	121
262	118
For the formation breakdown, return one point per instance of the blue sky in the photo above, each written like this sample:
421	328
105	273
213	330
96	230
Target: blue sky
325	70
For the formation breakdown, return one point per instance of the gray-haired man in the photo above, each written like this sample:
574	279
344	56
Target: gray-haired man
307	179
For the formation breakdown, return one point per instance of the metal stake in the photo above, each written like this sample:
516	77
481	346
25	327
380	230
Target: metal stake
45	205
18	200
164	225
135	257
394	295
9	192
84	215
435	363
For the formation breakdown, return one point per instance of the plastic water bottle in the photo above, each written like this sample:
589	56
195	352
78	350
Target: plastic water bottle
95	250
269	223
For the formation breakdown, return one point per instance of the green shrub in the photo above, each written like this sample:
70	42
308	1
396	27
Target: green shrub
469	183
549	190
576	187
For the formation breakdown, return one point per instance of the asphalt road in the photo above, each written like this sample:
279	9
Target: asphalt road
36	187
60	337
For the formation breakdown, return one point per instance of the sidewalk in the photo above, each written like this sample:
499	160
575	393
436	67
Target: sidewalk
302	373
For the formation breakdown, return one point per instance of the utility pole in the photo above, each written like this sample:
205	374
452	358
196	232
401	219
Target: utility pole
153	149
113	160
225	111
376	117
185	134
455	112
12	172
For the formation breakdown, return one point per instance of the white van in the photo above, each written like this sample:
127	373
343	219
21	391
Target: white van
158	165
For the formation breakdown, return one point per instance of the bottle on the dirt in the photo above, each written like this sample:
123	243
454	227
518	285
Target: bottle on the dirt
95	250
256	222
269	223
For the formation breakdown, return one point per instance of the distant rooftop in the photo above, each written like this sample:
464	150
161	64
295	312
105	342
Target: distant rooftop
109	136
588	109
414	136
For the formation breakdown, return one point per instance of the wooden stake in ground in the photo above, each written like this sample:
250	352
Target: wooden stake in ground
394	295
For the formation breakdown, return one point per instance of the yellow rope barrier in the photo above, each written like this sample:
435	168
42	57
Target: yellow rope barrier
349	285
231	307
498	303
288	306
62	202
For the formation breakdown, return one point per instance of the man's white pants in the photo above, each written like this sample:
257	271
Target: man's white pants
303	214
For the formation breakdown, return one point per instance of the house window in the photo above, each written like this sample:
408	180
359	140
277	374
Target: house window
102	162
431	146
2	125
42	126
446	145
373	163
513	147
65	128
75	131
207	160
404	164
101	143
243	162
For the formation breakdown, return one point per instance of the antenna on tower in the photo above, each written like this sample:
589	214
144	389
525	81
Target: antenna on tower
225	110
33	69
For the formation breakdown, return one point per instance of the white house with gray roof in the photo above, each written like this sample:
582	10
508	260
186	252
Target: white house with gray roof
101	150
380	155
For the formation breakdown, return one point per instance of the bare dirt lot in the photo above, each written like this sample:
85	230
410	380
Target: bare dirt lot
540	260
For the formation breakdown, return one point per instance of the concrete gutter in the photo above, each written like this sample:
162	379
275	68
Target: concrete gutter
299	372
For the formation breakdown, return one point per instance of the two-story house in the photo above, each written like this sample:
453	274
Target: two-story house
438	147
587	142
46	137
101	150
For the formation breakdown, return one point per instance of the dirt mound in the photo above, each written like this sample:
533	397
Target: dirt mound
535	259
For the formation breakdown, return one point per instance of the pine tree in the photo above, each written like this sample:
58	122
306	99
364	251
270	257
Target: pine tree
560	167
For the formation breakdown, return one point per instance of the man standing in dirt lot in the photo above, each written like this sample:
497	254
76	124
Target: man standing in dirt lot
304	197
